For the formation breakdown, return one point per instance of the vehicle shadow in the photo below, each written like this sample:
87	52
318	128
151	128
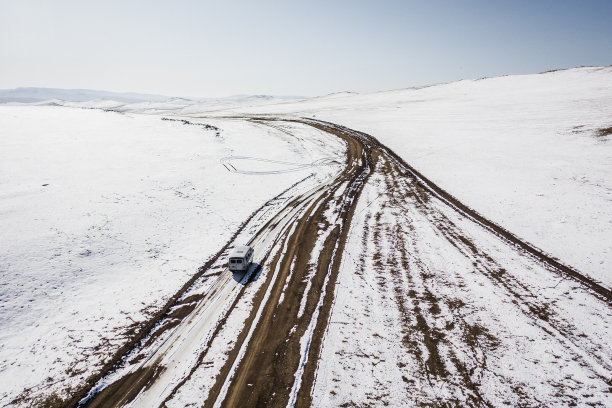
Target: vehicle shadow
254	271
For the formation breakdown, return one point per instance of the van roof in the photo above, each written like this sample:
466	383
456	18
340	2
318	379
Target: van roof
240	251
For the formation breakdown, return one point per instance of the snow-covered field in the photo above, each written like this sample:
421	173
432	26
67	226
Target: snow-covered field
108	208
104	215
524	151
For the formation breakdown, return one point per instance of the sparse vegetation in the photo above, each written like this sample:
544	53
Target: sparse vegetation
603	132
51	401
203	125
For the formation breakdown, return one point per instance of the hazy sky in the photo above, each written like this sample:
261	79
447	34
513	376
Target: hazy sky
220	48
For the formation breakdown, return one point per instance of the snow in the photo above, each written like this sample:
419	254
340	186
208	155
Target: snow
375	349
103	216
522	150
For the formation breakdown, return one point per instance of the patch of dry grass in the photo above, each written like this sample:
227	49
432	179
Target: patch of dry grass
603	132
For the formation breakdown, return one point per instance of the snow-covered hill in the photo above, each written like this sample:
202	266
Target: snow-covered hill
106	210
533	153
133	102
33	95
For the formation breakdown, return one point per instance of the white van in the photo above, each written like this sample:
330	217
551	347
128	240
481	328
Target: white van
240	258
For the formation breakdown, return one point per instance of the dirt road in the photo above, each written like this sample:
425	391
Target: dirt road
283	305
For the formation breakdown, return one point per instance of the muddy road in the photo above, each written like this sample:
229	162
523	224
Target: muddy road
257	339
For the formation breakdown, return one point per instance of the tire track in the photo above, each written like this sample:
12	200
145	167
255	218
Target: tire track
450	348
273	354
434	190
275	359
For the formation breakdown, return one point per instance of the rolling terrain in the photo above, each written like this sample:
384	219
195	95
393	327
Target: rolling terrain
378	276
437	246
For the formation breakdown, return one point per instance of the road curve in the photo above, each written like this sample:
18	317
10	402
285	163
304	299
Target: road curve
273	361
150	382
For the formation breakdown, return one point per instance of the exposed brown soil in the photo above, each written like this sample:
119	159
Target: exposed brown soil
204	353
265	374
420	309
147	327
122	392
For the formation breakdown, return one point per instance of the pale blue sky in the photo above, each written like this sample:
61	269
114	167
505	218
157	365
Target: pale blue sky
220	48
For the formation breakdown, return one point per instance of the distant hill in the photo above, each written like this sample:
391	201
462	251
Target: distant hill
31	95
57	96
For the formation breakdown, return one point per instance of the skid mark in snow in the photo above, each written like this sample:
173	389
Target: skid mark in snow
242	351
258	166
